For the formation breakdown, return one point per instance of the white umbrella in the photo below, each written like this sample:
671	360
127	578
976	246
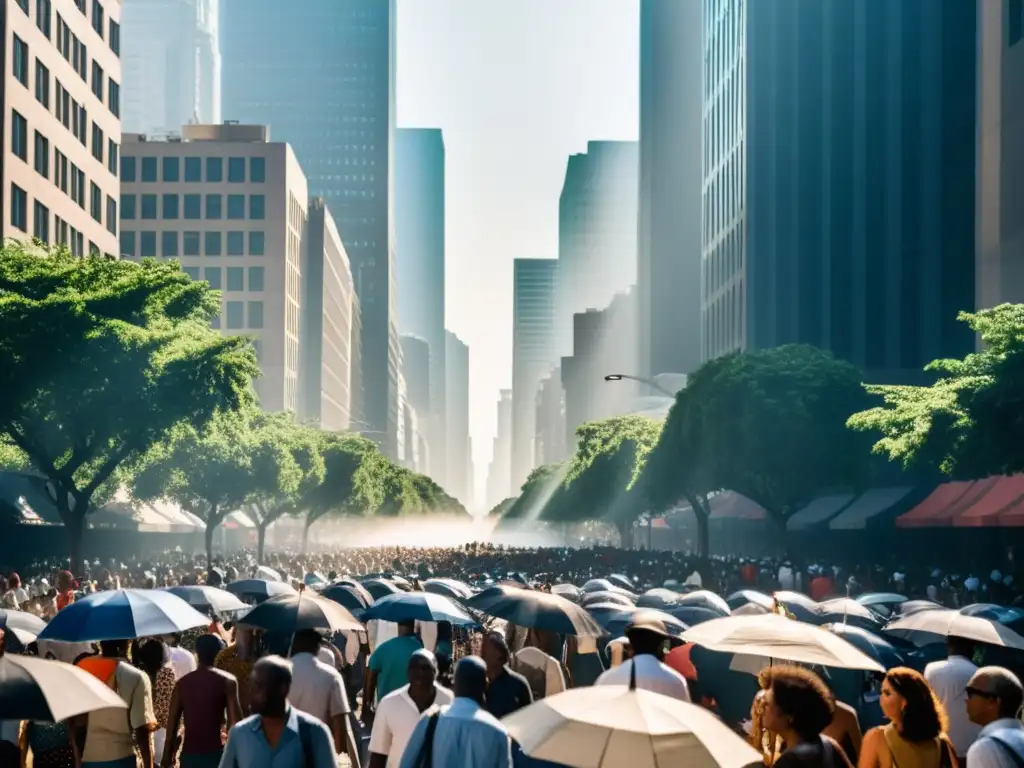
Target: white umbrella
612	725
847	607
263	572
49	691
949	623
777	637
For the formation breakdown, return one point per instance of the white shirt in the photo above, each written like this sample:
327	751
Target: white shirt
949	680
985	753
786	577
651	675
397	715
317	689
182	661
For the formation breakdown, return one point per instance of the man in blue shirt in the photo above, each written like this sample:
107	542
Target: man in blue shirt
278	735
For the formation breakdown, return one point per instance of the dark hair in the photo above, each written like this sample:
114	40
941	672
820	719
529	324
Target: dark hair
207	648
152	654
923	718
802	697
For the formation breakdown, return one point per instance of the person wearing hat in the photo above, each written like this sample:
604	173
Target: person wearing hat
648	639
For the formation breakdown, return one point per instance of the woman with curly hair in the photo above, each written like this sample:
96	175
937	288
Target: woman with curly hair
916	734
795	707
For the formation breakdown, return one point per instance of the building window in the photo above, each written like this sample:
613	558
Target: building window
214	205
19	136
24	5
42	84
215	322
236	206
255	278
236	278
79	58
193	206
77	241
78	185
257	242
128	169
114	97
147	244
212	276
211	243
190	243
19	208
172	169
112	152
149	207
97	142
214	170
236	243
63	106
128	207
170	205
94	250
81	122
127	243
95	202
149	169
97	81
256	314
236	170
235	318
115	37
97	17
193	169
1014	21
257	207
42	155
41	222
20	53
257	170
192	272
44	16
169	245
111	215
60	171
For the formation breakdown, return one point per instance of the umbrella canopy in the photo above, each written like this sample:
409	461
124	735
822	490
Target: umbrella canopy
380	588
269	574
870	644
358	588
911	607
258	590
348	598
536	610
598	585
948	623
615	618
50	691
881	598
452	588
1012	617
623	581
294	613
750	609
776	637
418	606
659	597
569	592
612	725
704	598
21	620
692	615
209	599
589	598
123	614
744	596
843	608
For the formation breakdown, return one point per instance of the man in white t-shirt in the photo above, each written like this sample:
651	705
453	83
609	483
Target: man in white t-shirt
949	680
648	639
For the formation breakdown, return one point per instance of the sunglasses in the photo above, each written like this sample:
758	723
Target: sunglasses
979	693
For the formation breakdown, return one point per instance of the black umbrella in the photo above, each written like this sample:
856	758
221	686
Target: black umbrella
347	597
258	590
380	588
49	691
294	613
537	610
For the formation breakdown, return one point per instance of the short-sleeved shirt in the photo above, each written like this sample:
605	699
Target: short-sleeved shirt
507	693
317	689
651	675
397	716
110	734
247	746
391	663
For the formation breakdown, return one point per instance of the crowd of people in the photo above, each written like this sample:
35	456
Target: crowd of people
408	695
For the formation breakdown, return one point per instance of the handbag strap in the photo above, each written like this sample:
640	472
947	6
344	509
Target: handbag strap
425	759
1008	751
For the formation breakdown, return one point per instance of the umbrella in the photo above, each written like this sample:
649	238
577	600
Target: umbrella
568	591
590	598
348	598
598	585
911	607
623	581
948	623
358	588
380	588
872	645
209	599
537	610
418	606
777	637
744	596
50	691
21	620
615	618
844	609
612	725
258	590
123	614
881	598
692	614
750	609
703	598
269	574
1011	617
448	587
658	597
294	613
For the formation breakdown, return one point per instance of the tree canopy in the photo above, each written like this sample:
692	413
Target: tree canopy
537	492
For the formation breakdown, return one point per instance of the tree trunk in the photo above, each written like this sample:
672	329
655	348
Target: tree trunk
701	515
211	528
75	525
261	538
625	529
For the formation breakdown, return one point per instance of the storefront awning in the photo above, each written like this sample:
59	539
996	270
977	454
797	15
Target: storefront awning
997	506
818	511
942	503
866	506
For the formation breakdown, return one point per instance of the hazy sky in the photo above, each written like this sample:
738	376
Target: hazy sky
516	86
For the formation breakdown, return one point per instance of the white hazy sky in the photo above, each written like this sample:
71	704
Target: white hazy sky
516	86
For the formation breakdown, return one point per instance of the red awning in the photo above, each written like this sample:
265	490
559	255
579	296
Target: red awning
933	511
659	522
736	506
989	509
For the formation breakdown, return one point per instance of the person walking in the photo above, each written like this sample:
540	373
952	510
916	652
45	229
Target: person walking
994	700
648	640
948	679
507	691
388	666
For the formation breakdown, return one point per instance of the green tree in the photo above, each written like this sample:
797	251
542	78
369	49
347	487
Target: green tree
100	360
499	510
968	423
541	489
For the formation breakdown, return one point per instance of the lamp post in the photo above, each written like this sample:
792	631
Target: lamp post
649	382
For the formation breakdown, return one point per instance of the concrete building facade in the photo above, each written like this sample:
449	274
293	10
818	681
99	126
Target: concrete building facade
533	354
62	106
329	91
171	65
231	206
1000	154
416	369
458	460
499	486
839	183
670	182
551	446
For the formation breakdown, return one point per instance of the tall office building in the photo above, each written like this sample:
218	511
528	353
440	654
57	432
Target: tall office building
1000	156
597	226
499	486
324	78
550	429
457	462
416	373
328	328
231	206
420	260
62	123
171	65
669	226
839	161
533	354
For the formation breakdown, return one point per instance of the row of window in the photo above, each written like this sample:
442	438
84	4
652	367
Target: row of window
235	277
44	17
191	243
173	206
62	233
234	314
171	169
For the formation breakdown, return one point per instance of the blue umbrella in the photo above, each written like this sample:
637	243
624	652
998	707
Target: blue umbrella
873	645
258	590
208	599
347	597
418	606
380	588
123	614
691	614
452	588
536	610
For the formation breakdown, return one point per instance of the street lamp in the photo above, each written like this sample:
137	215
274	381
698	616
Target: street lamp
649	382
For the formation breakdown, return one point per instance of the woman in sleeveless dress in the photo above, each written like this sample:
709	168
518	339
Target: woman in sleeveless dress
915	736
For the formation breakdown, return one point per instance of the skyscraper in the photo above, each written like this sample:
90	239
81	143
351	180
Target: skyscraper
669	227
420	260
498	484
839	161
324	78
171	64
457	422
533	354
